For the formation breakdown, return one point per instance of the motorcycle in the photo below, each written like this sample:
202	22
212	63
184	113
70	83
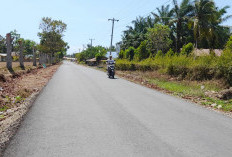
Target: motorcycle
111	71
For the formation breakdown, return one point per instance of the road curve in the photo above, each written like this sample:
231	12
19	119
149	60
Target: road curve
82	113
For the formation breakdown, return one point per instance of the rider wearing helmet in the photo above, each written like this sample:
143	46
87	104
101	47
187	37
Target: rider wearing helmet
109	62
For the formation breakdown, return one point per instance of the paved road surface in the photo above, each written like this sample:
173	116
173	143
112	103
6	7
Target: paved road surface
82	113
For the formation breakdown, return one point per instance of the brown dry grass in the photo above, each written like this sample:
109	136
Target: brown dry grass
26	84
15	65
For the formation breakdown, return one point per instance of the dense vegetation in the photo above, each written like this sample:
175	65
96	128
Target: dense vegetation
51	41
97	52
51	38
198	22
166	40
29	45
186	65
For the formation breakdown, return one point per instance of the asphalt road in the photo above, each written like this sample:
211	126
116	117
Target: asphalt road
82	113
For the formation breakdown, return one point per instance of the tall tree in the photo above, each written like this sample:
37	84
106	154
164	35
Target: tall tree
164	14
158	38
15	38
218	34
182	13
135	34
2	44
29	45
203	12
51	37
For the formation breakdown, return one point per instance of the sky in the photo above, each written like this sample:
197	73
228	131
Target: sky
85	19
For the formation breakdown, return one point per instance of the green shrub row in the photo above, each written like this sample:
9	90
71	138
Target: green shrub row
185	67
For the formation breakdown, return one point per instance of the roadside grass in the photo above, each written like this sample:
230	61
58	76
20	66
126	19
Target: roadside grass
16	67
177	88
3	108
184	88
226	105
193	90
2	117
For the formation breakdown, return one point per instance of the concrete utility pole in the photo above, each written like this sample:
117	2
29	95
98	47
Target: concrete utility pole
9	50
91	42
113	20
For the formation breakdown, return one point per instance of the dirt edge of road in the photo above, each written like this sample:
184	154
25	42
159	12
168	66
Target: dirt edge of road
195	100
10	125
15	115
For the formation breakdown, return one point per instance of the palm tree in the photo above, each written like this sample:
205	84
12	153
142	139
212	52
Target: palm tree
181	16
164	14
218	34
203	12
135	34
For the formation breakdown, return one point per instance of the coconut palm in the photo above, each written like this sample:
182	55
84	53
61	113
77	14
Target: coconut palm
135	34
164	14
182	14
218	34
203	12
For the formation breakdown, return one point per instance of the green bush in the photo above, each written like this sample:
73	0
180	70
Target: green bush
170	53
98	57
141	52
121	54
129	53
185	66
187	49
229	44
159	54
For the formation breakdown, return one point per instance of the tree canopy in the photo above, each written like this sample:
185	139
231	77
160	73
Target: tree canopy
198	22
51	37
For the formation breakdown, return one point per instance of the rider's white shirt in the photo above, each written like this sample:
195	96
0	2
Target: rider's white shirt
109	62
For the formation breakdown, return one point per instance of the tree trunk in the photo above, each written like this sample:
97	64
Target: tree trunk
40	58
178	30
21	55
51	61
44	58
9	50
34	57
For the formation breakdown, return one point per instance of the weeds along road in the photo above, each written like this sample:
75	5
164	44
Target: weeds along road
82	113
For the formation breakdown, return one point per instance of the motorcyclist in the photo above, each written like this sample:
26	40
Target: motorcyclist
109	62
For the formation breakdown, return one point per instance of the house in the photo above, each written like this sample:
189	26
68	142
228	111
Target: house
91	62
205	52
3	57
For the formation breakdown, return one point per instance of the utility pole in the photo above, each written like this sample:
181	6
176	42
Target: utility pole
113	20
91	42
9	40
